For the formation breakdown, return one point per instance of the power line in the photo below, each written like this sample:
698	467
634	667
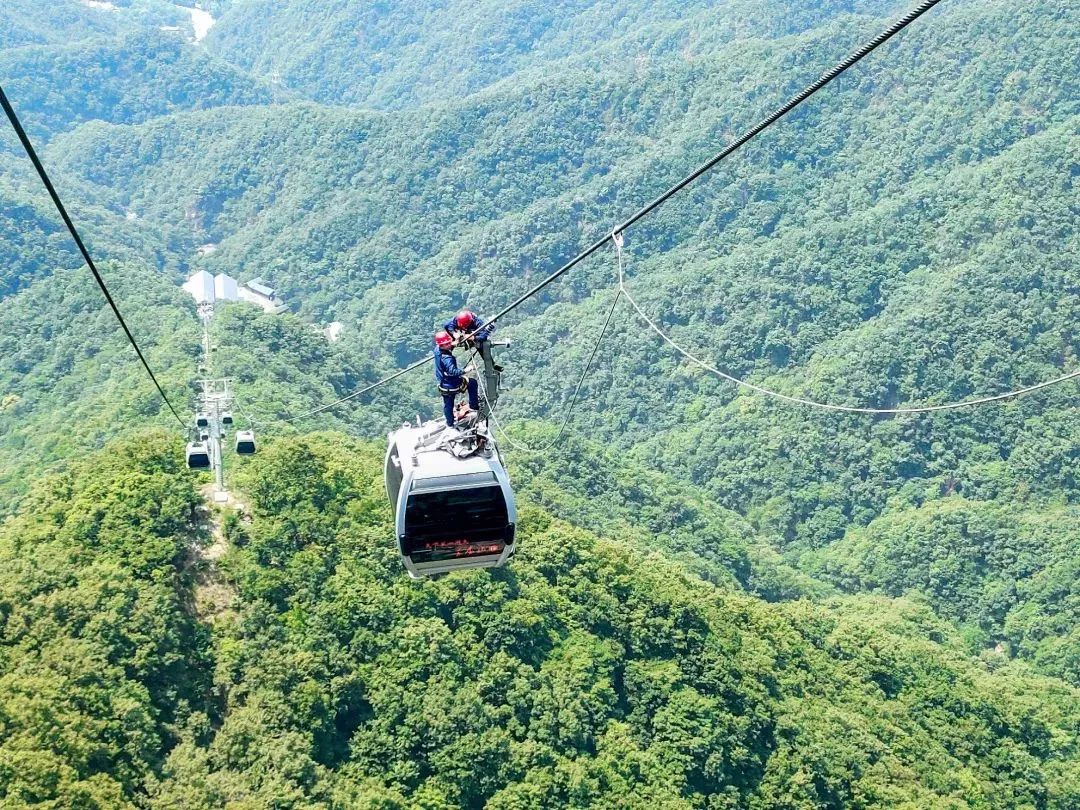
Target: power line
825	79
32	153
950	406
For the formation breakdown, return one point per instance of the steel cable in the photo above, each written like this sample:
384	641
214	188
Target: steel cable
950	406
823	80
32	153
573	399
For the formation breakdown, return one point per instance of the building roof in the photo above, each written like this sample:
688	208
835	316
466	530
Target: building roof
201	287
261	289
225	288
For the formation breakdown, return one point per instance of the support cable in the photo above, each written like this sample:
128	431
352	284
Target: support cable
749	135
573	399
251	420
951	406
825	79
32	153
399	373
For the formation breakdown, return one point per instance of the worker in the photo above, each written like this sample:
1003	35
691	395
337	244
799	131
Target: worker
449	378
467	329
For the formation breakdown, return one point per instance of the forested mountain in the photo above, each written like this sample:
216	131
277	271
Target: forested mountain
720	600
311	674
65	371
402	54
125	81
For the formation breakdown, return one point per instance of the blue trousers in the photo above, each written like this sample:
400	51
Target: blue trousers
448	402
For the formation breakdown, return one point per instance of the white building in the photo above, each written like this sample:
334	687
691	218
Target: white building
259	293
201	287
226	288
207	289
333	331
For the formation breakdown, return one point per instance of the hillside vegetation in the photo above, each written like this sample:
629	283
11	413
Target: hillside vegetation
586	675
125	81
721	601
67	379
402	54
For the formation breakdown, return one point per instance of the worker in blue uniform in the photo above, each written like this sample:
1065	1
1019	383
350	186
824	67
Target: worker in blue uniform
468	329
450	379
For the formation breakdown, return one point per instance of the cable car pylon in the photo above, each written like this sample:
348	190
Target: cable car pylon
213	418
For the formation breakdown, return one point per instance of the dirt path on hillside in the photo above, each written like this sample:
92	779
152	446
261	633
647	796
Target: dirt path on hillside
214	594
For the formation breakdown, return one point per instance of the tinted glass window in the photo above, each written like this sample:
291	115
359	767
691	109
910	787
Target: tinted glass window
393	476
454	524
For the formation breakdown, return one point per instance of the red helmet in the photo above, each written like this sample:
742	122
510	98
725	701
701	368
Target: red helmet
465	319
443	339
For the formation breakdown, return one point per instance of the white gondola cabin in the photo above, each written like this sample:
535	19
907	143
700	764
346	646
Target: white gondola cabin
198	456
227	418
202	420
245	442
453	511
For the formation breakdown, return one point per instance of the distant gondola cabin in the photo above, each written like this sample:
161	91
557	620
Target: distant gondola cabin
198	456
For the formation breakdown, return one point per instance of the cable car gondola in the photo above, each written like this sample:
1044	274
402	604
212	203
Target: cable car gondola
452	499
245	442
198	456
227	418
202	420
